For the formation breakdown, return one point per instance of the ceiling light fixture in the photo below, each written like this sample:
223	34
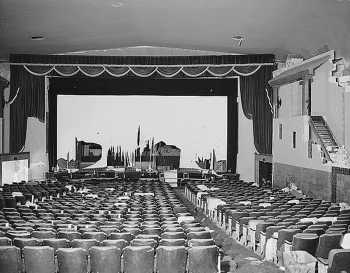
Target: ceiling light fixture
117	4
37	38
239	39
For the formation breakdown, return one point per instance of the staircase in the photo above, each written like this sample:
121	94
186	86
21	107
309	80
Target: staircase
324	135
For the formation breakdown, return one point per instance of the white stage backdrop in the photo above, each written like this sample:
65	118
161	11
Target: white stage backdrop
196	125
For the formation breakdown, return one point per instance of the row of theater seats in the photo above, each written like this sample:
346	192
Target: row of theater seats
277	225
132	227
20	193
107	259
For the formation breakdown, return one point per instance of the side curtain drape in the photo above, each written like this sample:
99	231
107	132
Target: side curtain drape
256	106
52	129
3	84
27	94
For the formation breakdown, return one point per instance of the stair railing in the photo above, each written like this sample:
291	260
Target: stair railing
319	140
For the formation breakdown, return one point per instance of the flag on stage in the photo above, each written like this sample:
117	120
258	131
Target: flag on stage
214	160
138	136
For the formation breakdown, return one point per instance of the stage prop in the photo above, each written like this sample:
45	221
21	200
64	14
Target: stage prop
14	168
33	75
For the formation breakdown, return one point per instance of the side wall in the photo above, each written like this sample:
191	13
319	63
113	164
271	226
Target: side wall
293	165
343	188
312	182
327	99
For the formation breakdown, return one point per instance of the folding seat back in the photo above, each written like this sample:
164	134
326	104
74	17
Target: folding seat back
203	259
84	243
98	236
327	242
199	235
338	261
119	243
201	242
56	243
149	230
172	242
10	259
121	235
22	242
109	230
69	235
39	259
42	234
138	259
17	234
286	235
173	235
105	259
171	259
4	241
134	231
305	241
72	260
144	242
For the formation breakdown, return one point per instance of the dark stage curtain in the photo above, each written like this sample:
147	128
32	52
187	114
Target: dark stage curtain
52	130
142	60
3	84
256	106
29	101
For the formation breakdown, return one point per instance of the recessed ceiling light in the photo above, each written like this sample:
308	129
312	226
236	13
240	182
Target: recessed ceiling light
117	4
37	38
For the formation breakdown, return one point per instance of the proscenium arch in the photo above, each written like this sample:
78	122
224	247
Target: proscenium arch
146	86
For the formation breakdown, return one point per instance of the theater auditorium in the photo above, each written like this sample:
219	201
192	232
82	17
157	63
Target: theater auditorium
175	136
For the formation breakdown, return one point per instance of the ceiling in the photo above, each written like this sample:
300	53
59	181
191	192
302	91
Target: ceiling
280	27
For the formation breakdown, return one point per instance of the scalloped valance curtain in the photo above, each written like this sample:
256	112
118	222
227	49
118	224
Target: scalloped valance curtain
28	72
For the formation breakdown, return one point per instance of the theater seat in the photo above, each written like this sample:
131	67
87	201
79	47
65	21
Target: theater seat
84	243
138	259
22	242
173	235
121	235
56	243
39	259
72	260
305	241
201	242
10	259
171	259
327	242
105	259
199	235
203	259
4	241
69	235
172	242
98	236
339	261
143	242
43	234
120	243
